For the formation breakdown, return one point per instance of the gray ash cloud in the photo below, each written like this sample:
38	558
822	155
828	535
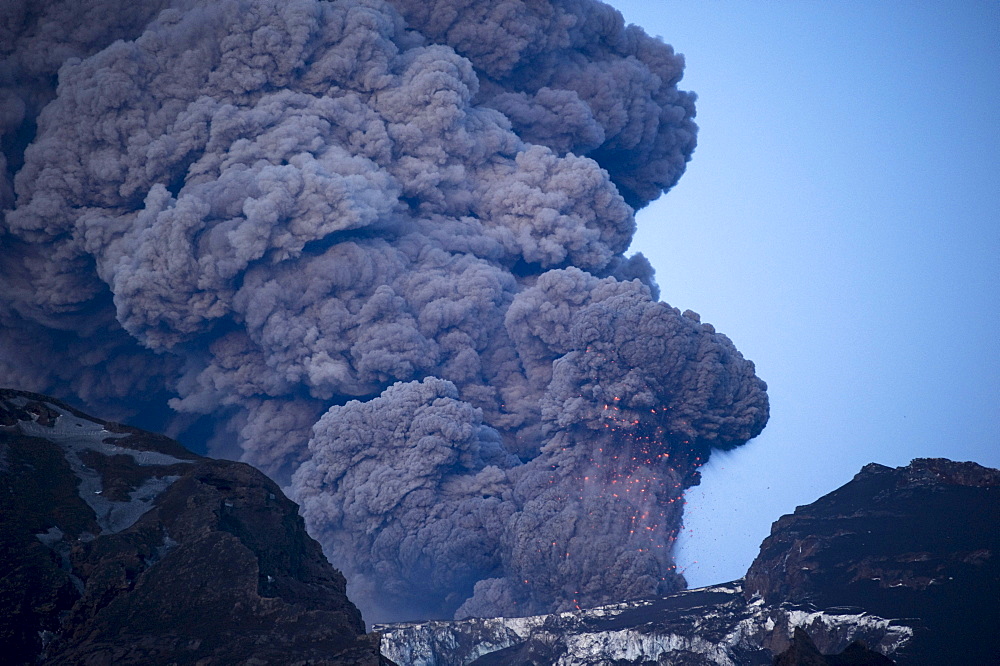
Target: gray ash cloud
379	247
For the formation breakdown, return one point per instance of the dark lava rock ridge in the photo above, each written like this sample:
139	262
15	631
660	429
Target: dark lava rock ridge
122	547
920	542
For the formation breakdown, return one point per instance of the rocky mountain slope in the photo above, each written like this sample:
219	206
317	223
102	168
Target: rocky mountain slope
122	547
904	560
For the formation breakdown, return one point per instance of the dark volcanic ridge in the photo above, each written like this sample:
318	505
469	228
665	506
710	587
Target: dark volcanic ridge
919	542
122	547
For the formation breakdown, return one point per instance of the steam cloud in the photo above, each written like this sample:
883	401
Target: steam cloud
379	247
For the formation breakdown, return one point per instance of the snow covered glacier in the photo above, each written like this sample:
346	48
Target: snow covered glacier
710	625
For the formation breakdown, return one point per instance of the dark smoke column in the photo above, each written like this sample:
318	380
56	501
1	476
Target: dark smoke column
377	247
638	395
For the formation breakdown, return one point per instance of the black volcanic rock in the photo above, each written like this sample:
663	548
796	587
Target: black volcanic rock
121	547
921	542
803	652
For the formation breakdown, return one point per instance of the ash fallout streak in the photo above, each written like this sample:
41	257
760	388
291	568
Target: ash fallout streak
379	248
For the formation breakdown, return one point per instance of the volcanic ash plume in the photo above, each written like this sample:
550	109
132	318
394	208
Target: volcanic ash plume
377	249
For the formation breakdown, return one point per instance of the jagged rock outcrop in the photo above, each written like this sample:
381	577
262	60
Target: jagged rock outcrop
121	547
920	541
898	565
803	652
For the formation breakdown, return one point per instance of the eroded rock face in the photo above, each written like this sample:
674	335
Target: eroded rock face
920	541
120	546
803	652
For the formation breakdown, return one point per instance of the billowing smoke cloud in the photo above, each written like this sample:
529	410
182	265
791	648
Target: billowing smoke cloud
378	249
415	489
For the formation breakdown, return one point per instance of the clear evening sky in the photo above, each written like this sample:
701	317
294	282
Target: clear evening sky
840	221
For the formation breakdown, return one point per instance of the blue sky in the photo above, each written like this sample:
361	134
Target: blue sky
840	221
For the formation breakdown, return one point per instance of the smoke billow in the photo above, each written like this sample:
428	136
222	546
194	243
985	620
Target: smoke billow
378	249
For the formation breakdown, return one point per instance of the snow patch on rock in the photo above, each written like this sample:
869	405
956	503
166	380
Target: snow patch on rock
74	435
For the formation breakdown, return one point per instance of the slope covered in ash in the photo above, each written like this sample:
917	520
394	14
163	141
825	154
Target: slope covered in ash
120	546
904	560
